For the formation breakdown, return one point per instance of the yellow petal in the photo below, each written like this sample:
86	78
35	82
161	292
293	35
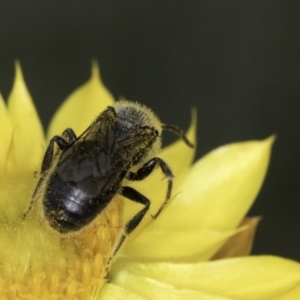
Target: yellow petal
11	160
28	136
158	290
115	292
251	278
220	188
5	133
186	244
82	106
292	294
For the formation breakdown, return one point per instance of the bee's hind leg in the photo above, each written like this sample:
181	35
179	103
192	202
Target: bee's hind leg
132	224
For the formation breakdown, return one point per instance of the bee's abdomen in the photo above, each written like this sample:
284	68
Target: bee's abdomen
67	208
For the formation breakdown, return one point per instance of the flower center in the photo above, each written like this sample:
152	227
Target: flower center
37	262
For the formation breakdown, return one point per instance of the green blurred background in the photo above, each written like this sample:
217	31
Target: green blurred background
236	61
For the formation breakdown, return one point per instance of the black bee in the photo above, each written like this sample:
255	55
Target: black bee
85	173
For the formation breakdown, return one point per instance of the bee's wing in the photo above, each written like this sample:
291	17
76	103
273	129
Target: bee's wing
102	132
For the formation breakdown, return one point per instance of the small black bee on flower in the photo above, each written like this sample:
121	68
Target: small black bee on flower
81	178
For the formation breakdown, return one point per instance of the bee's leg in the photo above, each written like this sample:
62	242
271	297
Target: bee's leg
147	169
135	196
69	135
63	143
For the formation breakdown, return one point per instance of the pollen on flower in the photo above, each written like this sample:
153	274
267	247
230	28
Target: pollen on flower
48	265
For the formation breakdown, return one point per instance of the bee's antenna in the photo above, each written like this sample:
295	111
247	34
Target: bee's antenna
177	131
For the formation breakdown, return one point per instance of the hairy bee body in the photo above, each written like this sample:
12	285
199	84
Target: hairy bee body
90	170
81	177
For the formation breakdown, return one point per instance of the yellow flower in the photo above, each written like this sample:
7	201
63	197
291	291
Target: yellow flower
172	257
